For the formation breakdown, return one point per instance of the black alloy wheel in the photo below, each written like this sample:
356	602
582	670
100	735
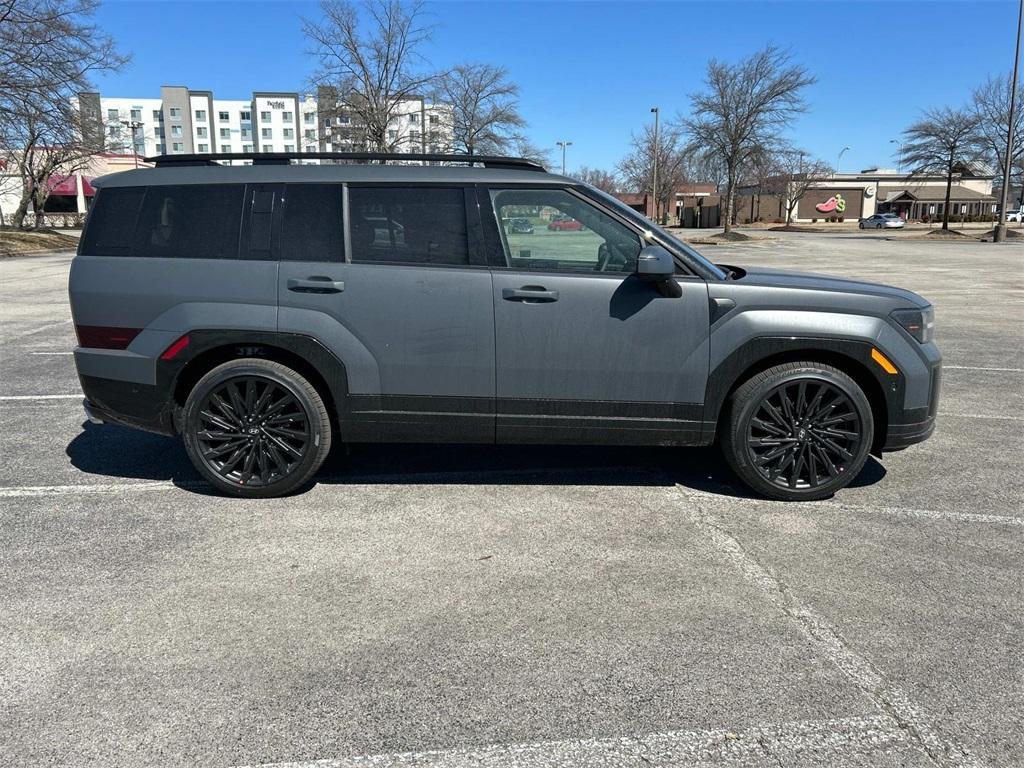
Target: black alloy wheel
252	431
804	434
256	428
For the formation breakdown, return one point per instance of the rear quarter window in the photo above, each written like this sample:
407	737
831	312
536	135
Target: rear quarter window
190	221
111	225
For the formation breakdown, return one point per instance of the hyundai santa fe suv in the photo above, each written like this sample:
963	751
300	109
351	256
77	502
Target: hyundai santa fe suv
266	311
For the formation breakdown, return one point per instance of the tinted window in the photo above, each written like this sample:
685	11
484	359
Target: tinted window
313	228
552	230
408	225
195	221
112	221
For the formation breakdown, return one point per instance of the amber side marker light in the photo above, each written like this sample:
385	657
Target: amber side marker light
884	363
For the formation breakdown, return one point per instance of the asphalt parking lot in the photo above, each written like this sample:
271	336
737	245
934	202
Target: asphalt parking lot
451	606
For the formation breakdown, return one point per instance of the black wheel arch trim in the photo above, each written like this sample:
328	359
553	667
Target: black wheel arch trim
885	391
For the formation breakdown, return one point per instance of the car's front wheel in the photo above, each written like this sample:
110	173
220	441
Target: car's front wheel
798	431
256	428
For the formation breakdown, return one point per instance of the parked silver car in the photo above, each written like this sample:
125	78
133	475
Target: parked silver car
882	221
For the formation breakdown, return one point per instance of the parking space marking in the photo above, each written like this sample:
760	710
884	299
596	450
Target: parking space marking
29	491
40	329
52	353
942	748
980	368
856	735
42	397
980	416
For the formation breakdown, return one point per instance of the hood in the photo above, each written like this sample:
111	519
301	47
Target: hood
780	278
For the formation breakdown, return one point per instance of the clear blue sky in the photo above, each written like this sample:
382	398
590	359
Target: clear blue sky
591	71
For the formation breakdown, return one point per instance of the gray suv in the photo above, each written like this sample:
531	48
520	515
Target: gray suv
265	311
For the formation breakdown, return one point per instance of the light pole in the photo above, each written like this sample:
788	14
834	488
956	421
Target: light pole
132	125
563	145
840	158
900	166
999	233
654	181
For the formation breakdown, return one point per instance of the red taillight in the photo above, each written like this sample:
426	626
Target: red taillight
172	351
105	337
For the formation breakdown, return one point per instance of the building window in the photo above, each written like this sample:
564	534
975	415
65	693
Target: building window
392	134
434	120
158	132
414	118
309	118
175	113
344	119
137	114
201	132
245	115
113	130
289	133
225	148
310	135
268	148
204	147
247	147
247	133
414	136
200	115
267	133
113	114
160	149
289	147
177	147
158	115
265	117
327	122
287	116
311	148
175	130
223	117
225	133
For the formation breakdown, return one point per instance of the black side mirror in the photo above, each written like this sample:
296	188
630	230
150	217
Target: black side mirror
655	263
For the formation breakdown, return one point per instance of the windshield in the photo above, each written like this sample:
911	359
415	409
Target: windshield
658	232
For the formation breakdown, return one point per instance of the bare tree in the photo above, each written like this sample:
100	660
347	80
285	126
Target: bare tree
526	149
796	172
944	141
743	109
371	67
990	104
637	168
483	106
606	181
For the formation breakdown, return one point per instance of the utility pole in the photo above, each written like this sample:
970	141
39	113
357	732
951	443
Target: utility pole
657	147
131	125
840	158
563	145
999	233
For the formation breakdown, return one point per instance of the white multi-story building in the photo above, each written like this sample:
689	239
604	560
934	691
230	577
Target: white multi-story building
183	121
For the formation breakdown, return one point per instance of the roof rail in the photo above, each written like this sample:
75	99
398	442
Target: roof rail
285	158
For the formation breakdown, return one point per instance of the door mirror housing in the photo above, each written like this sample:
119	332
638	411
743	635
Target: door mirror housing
655	263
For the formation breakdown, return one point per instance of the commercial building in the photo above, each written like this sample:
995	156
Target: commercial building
854	196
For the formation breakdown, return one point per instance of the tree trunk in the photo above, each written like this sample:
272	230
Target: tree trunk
949	186
18	219
730	190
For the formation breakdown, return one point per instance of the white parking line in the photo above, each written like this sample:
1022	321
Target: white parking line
980	368
857	735
943	749
52	353
29	491
42	397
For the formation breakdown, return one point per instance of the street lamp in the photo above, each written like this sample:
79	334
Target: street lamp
132	125
654	181
894	141
563	145
840	158
999	233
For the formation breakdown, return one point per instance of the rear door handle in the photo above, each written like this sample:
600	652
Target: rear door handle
315	284
531	294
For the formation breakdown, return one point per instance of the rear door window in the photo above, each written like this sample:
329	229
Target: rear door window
190	221
409	225
111	225
313	223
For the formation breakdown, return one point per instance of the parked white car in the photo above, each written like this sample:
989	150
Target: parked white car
1017	215
882	221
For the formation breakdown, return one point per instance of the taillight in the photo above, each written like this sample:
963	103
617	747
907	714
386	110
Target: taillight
172	351
105	337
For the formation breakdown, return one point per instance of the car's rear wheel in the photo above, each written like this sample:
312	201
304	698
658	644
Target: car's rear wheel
256	428
798	431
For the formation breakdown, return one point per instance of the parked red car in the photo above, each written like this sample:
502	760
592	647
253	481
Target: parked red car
564	224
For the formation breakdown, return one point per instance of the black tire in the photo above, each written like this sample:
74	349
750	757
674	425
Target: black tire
804	450
255	428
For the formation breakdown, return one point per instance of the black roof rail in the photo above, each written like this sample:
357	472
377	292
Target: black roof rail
285	158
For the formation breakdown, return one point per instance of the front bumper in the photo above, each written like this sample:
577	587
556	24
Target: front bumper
916	425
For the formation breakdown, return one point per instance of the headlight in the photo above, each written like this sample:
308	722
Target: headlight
919	323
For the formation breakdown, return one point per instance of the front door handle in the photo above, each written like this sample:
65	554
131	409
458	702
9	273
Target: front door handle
531	294
315	284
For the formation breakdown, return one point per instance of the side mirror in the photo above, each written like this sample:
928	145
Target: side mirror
655	263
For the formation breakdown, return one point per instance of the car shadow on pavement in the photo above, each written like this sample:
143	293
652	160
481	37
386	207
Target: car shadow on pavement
119	452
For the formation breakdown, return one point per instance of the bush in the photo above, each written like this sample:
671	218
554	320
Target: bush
841	218
814	221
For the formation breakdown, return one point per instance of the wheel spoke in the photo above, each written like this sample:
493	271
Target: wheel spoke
771	428
218	421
